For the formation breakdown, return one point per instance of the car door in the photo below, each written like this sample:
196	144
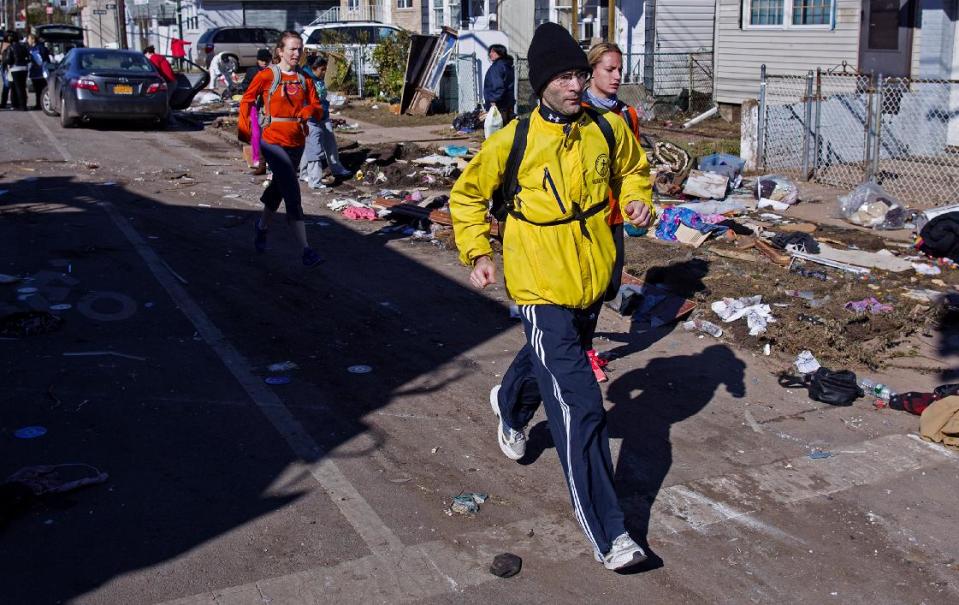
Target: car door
59	74
185	88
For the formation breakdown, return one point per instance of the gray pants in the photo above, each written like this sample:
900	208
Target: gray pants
320	149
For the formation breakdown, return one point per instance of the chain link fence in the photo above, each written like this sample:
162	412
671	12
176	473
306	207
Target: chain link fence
845	128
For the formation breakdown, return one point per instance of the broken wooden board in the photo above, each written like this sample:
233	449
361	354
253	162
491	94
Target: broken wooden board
706	185
733	254
797	228
777	256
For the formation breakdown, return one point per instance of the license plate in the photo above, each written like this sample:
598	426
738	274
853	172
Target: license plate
123	89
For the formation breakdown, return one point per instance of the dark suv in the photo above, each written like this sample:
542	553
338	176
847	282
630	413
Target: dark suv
239	43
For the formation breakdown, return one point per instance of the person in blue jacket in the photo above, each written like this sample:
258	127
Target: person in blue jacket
498	86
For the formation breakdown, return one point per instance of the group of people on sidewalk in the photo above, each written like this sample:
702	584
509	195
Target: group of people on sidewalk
579	175
21	61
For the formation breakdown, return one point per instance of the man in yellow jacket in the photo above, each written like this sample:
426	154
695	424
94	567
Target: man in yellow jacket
558	257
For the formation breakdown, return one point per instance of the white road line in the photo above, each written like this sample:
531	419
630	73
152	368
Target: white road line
358	512
53	140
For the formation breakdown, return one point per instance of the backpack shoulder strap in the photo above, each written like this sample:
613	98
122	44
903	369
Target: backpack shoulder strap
605	128
275	84
514	159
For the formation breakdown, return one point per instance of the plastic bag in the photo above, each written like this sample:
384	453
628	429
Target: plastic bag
776	191
493	122
869	205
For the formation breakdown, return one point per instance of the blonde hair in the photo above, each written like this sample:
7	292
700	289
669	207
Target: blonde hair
595	54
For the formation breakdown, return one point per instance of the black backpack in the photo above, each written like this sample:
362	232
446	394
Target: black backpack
835	388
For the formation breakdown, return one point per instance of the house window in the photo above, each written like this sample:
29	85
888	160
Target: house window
787	14
766	12
404	3
353	5
812	12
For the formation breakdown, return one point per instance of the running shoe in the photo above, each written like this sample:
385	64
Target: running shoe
624	553
513	443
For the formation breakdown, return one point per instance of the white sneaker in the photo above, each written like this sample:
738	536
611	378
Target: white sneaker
513	443
624	553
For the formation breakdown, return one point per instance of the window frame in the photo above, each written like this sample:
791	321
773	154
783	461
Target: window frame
787	23
404	4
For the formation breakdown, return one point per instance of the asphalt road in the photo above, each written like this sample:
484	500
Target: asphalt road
333	488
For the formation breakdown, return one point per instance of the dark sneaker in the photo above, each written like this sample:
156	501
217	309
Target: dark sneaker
311	258
259	239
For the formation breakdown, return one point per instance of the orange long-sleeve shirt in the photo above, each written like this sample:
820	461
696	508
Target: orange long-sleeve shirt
290	100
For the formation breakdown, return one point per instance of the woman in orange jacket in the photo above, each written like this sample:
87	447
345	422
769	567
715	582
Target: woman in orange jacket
606	61
289	103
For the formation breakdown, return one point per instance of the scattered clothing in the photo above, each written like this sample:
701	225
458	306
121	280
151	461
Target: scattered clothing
940	237
868	304
916	402
940	421
359	213
675	216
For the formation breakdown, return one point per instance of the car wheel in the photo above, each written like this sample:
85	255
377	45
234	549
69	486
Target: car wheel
65	121
47	103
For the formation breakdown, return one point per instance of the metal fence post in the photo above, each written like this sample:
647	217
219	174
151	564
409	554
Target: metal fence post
360	68
761	121
807	123
818	126
877	134
867	135
689	99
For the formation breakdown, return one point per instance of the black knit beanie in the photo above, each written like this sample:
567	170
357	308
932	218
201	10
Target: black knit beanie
553	51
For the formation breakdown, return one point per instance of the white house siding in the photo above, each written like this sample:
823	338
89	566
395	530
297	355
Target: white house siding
515	19
684	25
739	53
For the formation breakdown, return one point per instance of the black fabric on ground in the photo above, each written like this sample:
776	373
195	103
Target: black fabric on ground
940	237
803	240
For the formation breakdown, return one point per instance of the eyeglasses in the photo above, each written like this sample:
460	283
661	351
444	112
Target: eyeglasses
567	78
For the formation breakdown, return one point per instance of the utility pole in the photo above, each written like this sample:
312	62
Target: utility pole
574	24
611	28
122	20
179	19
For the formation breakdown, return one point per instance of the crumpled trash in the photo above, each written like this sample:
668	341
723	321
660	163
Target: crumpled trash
796	242
467	503
469	121
725	164
359	213
776	191
283	366
757	315
868	205
868	304
340	204
926	269
806	363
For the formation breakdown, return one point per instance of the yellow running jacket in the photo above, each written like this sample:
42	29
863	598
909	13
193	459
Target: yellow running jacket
570	264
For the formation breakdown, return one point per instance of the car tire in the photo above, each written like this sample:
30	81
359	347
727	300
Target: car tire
65	121
46	103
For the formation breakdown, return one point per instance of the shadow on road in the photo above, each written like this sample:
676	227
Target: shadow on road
191	459
647	403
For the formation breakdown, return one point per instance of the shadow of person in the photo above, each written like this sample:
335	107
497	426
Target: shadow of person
647	403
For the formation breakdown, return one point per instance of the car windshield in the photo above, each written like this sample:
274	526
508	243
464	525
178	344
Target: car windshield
115	61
